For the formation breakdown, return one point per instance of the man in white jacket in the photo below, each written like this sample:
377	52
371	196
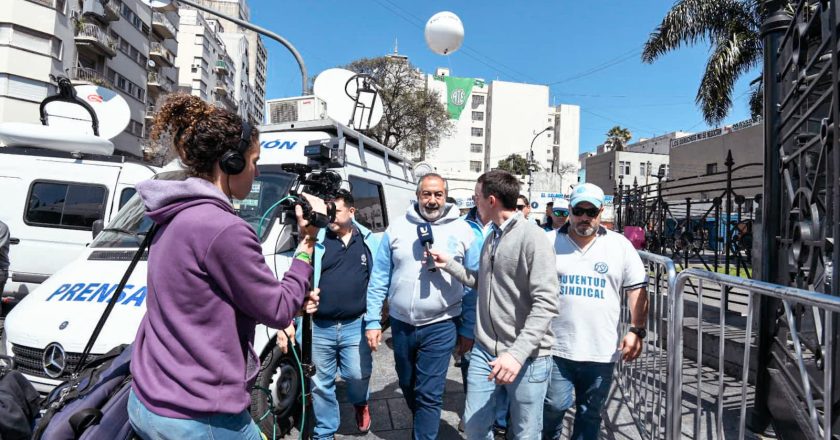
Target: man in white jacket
428	310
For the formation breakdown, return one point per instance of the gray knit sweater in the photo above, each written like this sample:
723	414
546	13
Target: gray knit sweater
517	292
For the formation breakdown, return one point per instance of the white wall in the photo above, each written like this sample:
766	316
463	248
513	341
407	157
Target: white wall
517	112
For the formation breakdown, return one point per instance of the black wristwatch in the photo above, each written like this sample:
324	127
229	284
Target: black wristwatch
641	332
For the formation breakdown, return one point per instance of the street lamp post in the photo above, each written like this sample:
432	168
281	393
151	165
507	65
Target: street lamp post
532	162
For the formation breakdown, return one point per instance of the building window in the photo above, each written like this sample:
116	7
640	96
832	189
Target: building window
59	6
475	166
477	132
477	116
370	204
643	170
610	169
711	168
135	128
65	205
477	100
623	168
476	148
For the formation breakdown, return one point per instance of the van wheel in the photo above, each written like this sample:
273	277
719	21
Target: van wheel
276	394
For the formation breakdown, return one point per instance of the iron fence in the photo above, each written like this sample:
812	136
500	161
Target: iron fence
800	219
809	313
643	382
704	221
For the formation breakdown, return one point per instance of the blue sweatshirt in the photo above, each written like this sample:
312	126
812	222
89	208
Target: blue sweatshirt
415	295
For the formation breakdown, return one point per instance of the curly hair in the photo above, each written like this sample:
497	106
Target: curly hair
201	133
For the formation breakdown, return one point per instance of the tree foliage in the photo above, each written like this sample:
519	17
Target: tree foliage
414	120
516	165
732	28
617	137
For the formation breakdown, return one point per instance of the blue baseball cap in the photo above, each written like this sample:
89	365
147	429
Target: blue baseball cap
587	192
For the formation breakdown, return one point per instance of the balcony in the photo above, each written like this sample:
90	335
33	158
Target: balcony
150	113
226	101
164	6
221	89
162	26
161	54
85	75
91	36
222	67
102	10
158	83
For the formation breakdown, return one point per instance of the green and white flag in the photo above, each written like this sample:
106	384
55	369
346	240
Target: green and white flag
457	93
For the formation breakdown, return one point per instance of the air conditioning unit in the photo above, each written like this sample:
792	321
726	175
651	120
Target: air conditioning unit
301	108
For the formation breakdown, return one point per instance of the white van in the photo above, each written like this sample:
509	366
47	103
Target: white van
55	186
55	321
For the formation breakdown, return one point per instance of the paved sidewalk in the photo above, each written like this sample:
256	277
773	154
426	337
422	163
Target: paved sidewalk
391	419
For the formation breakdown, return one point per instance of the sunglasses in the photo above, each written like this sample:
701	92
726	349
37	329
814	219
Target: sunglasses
560	212
590	212
520	207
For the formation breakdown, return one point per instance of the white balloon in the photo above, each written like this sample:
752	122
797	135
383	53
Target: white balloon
444	33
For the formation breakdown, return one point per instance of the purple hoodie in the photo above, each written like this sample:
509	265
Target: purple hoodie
208	286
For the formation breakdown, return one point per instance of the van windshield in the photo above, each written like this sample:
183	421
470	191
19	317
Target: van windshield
130	225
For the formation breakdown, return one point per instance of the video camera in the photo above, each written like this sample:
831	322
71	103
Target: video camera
316	178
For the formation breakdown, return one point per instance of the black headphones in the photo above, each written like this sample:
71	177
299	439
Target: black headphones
233	161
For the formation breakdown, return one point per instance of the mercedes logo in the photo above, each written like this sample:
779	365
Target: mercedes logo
54	360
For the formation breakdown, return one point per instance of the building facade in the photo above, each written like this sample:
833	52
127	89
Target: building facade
612	169
257	55
462	156
206	68
698	162
124	45
495	120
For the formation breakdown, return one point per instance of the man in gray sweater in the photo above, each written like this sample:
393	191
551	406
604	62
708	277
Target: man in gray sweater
517	299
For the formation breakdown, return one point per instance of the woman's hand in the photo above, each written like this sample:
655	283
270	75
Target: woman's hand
310	304
317	205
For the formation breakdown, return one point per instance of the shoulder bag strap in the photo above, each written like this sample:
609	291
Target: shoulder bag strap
115	297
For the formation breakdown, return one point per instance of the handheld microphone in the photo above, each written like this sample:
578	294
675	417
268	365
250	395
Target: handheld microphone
424	234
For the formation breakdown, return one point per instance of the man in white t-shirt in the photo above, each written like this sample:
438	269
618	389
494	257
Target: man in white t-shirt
594	267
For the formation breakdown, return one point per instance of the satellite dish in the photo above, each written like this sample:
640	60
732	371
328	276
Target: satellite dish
351	98
444	33
421	169
111	109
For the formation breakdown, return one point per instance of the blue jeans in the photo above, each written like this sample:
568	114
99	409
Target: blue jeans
150	426
338	347
590	382
501	398
526	396
421	355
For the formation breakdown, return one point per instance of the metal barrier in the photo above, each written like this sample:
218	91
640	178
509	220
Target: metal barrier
642	382
824	308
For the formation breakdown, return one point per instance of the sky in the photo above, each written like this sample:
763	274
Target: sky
588	52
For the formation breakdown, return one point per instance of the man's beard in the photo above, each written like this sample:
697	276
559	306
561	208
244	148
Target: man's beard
585	230
431	212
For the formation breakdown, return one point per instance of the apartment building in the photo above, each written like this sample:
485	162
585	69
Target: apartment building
206	69
499	119
124	45
257	55
237	49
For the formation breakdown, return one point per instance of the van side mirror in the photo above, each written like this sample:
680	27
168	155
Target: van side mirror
97	227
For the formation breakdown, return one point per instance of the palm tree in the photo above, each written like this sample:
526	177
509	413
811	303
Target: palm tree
617	137
732	29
